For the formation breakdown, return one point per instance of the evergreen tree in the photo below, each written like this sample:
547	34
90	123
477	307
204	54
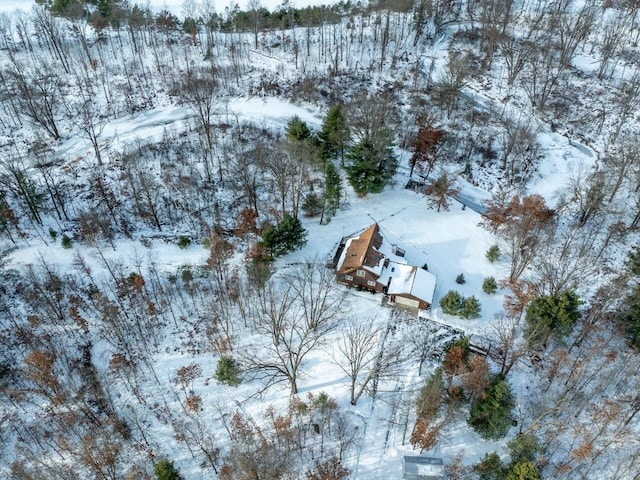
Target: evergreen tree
490	414
523	447
297	130
313	205
628	313
633	262
333	187
549	314
489	285
67	8
370	168
470	308
629	316
524	470
452	303
335	133
490	467
165	470
228	371
288	236
493	253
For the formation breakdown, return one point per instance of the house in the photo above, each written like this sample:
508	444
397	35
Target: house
419	467
366	262
360	262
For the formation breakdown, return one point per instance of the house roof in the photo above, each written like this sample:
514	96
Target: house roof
425	468
410	280
356	248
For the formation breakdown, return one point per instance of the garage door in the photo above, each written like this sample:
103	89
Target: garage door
407	302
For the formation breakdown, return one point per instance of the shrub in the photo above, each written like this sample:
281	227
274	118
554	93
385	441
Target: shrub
66	241
228	371
489	285
493	254
165	470
53	234
183	242
452	303
470	308
460	279
490	414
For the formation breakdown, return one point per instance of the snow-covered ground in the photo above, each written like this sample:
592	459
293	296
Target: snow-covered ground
450	243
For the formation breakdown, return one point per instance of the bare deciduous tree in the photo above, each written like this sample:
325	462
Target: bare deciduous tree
38	96
296	315
520	222
366	355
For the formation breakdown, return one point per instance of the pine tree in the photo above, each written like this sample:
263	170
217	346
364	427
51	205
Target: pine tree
552	314
165	470
629	316
489	285
335	133
493	254
490	467
470	308
524	470
297	130
452	303
313	205
228	371
333	187
370	169
287	236
490	414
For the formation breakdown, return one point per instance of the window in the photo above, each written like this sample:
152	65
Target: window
371	283
360	273
348	277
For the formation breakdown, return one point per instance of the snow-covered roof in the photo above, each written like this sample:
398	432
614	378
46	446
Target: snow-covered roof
362	251
424	468
343	255
410	280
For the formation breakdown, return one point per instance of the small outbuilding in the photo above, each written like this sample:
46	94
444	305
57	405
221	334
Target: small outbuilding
410	286
420	467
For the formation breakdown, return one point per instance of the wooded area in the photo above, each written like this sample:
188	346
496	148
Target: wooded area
123	127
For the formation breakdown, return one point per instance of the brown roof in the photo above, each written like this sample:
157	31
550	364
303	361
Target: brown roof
356	251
